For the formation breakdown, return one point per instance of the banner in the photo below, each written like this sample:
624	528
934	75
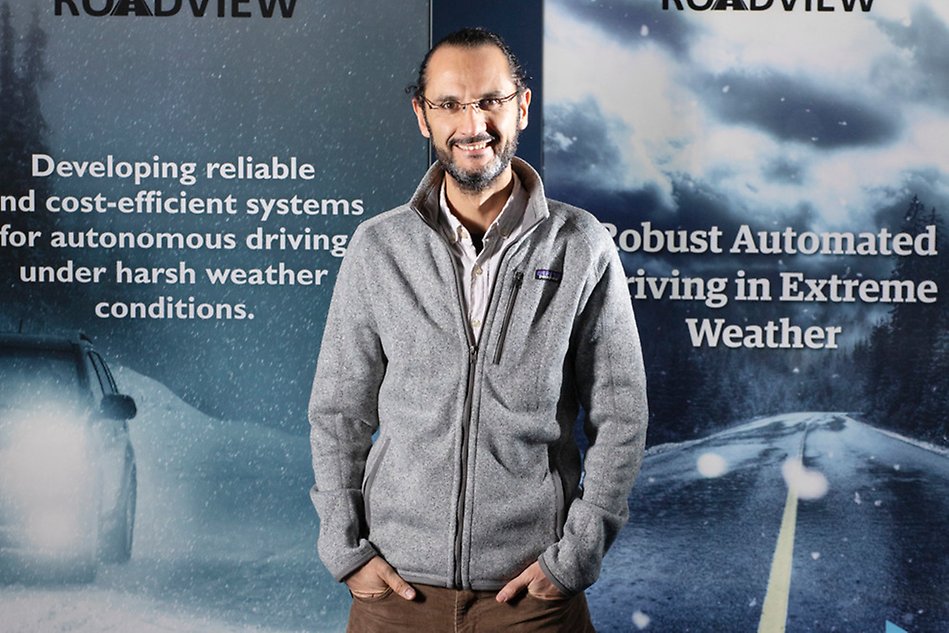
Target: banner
775	178
179	181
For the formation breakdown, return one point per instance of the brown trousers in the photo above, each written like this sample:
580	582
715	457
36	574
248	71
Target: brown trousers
440	610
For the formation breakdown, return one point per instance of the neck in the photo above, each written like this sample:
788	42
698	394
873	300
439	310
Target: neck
477	210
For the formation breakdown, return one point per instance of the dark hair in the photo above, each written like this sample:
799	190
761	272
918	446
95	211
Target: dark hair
470	38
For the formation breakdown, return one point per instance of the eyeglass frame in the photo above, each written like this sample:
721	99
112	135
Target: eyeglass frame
463	106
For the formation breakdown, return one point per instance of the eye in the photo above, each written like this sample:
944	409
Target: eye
449	106
490	104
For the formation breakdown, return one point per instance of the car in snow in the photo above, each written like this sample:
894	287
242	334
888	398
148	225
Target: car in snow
67	468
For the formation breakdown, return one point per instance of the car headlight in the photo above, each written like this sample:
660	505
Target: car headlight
48	477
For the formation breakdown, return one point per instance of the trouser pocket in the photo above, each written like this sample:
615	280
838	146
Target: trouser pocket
372	597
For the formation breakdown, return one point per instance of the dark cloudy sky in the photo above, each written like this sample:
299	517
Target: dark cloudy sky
831	114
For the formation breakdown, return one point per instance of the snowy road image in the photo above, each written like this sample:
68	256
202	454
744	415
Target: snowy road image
811	521
226	535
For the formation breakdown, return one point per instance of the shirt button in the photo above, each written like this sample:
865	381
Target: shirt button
478	270
475	323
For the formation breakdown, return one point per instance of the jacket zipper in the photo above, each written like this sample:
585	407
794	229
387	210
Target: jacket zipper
371	477
469	396
515	288
469	407
560	502
462	488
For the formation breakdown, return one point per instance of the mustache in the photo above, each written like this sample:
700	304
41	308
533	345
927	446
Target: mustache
470	140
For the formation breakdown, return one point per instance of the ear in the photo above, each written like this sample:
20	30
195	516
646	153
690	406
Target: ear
419	110
523	105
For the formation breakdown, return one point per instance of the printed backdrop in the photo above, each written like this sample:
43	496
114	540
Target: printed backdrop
213	168
777	183
182	187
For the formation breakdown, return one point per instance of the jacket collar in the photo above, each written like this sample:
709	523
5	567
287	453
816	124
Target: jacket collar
425	198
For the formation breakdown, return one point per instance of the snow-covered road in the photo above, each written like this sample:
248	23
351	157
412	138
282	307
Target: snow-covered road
869	544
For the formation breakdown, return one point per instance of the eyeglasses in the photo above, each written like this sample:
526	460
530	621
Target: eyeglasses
488	105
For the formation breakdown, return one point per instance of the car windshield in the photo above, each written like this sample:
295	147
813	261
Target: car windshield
38	377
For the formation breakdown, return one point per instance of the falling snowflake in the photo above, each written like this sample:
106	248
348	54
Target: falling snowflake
641	620
711	465
808	484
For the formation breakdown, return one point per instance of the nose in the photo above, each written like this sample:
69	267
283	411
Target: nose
472	121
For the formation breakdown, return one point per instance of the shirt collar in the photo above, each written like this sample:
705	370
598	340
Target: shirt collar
425	199
506	223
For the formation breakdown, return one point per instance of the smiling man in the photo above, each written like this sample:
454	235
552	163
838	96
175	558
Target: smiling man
468	329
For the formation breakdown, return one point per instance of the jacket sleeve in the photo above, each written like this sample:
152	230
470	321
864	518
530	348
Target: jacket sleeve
611	386
343	415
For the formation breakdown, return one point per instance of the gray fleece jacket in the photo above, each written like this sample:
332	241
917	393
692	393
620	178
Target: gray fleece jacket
475	472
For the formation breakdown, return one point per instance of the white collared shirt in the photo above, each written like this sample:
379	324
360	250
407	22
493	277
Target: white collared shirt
480	269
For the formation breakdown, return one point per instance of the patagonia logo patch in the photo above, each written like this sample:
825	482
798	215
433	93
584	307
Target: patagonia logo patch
548	275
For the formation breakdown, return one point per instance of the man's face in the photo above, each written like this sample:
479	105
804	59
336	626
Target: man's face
473	146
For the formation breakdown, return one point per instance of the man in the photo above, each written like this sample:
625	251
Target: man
468	328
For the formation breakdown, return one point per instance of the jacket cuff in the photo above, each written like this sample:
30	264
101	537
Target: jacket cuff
353	561
573	562
553	578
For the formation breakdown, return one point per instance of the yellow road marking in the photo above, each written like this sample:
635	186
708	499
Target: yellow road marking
774	611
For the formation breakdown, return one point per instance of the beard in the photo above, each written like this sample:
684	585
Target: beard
478	180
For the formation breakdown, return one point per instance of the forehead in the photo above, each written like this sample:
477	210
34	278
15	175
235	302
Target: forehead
465	72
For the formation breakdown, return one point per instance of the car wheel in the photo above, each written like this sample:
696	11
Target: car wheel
117	537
